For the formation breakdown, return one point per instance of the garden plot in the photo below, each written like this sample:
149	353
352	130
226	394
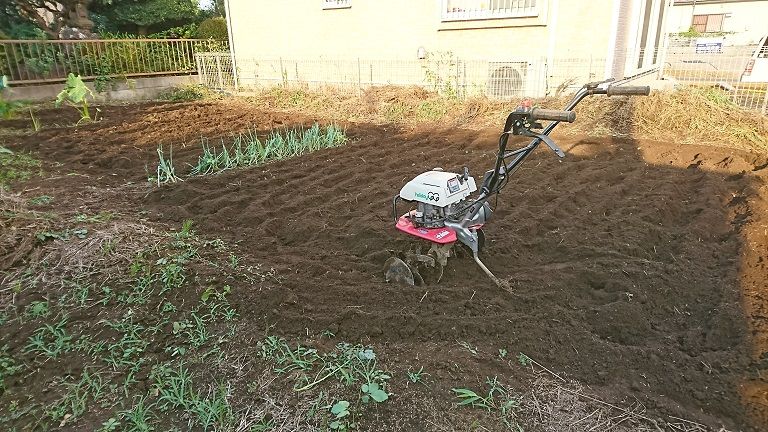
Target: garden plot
249	295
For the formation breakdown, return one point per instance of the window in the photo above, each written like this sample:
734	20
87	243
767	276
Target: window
457	10
337	4
708	23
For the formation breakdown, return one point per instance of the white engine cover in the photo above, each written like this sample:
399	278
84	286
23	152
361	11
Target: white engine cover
438	188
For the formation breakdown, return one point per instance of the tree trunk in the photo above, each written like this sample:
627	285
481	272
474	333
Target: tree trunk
143	30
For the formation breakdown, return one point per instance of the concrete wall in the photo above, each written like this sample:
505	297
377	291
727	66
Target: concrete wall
135	89
747	19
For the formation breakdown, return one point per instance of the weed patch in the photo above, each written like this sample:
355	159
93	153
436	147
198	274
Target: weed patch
16	166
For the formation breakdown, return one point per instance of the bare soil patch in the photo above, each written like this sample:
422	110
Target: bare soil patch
637	266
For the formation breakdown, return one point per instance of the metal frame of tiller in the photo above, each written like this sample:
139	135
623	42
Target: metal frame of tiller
521	122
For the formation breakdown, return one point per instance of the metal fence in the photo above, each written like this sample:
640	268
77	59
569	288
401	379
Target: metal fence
43	61
723	67
509	79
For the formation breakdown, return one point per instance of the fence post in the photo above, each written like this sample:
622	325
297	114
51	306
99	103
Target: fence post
464	79
283	76
765	101
218	72
199	69
457	78
359	77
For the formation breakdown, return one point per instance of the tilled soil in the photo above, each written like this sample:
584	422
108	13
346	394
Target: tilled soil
635	267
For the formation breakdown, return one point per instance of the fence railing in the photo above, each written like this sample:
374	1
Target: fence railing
42	61
724	68
508	79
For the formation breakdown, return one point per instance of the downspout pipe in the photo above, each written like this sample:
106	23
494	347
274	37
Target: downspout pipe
230	34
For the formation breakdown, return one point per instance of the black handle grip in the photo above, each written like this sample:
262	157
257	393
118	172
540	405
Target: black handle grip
628	91
553	115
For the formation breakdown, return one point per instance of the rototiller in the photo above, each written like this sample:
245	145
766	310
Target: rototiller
444	211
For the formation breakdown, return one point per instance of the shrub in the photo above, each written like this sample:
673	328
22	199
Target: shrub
186	93
213	28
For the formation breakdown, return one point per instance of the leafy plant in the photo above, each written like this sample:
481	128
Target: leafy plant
439	68
340	412
109	425
498	400
374	392
75	94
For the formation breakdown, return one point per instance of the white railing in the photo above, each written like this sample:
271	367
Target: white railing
336	4
461	10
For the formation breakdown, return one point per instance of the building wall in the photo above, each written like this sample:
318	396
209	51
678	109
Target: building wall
747	19
369	29
569	40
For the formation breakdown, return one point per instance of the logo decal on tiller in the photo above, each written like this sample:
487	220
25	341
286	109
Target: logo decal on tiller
432	196
442	234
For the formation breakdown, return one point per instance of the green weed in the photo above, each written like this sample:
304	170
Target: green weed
100	217
214	412
174	386
50	340
41	200
138	418
8	367
187	93
127	351
74	402
36	309
110	425
417	376
498	400
15	166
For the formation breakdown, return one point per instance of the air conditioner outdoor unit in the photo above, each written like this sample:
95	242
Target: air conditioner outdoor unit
507	80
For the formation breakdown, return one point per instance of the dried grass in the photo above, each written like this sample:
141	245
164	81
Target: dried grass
689	115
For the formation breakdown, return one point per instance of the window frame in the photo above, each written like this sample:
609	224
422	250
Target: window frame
707	21
336	4
488	14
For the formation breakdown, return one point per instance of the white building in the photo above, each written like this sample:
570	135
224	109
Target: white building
741	22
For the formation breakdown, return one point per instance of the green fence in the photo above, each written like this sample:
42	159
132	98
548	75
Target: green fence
45	61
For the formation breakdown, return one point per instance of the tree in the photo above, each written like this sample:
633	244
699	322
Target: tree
145	15
49	16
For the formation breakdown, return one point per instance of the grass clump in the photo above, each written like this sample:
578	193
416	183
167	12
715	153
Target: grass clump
15	166
187	93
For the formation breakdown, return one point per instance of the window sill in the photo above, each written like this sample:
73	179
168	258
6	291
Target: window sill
492	23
